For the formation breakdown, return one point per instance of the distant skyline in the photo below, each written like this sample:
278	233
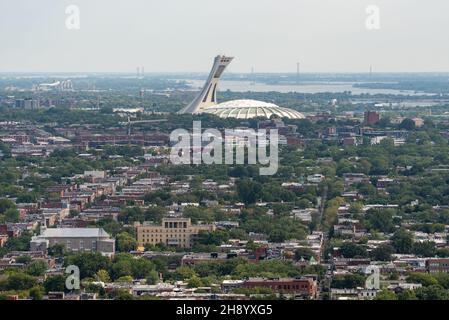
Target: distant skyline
169	36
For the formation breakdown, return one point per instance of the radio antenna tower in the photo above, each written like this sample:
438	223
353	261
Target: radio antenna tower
253	78
297	72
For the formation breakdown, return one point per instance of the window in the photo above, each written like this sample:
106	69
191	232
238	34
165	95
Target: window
218	73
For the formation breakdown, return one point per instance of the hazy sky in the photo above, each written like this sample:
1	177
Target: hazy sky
185	35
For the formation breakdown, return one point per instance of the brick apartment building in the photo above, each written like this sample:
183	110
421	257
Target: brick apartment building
305	287
178	232
371	117
437	265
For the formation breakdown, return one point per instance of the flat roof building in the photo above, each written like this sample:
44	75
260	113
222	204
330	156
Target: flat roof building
74	239
305	287
371	117
176	232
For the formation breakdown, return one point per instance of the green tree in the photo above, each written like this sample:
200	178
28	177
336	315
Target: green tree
6	204
425	249
152	277
18	281
433	292
88	263
11	215
407	124
37	293
37	268
249	191
55	284
348	281
443	279
125	242
386	295
184	272
382	253
356	207
102	275
121	268
407	295
422	278
141	268
21	243
125	279
120	294
24	259
381	220
130	215
351	250
215	238
278	235
194	282
402	241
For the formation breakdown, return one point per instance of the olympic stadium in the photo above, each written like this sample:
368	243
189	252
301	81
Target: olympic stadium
206	100
247	109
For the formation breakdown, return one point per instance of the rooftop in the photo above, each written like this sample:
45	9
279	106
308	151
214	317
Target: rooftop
74	233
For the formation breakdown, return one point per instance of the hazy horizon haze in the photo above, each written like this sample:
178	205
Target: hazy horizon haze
183	36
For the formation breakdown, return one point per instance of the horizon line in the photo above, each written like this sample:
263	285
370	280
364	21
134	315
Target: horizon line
228	73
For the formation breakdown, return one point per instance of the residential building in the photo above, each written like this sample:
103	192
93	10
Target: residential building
179	232
230	285
305	287
371	117
419	122
437	265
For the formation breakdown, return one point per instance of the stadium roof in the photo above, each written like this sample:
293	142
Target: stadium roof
247	109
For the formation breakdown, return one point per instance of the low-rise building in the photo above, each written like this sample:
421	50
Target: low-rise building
305	287
354	294
230	285
75	239
437	265
178	232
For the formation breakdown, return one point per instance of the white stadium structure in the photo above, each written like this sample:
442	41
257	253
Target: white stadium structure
206	101
246	109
